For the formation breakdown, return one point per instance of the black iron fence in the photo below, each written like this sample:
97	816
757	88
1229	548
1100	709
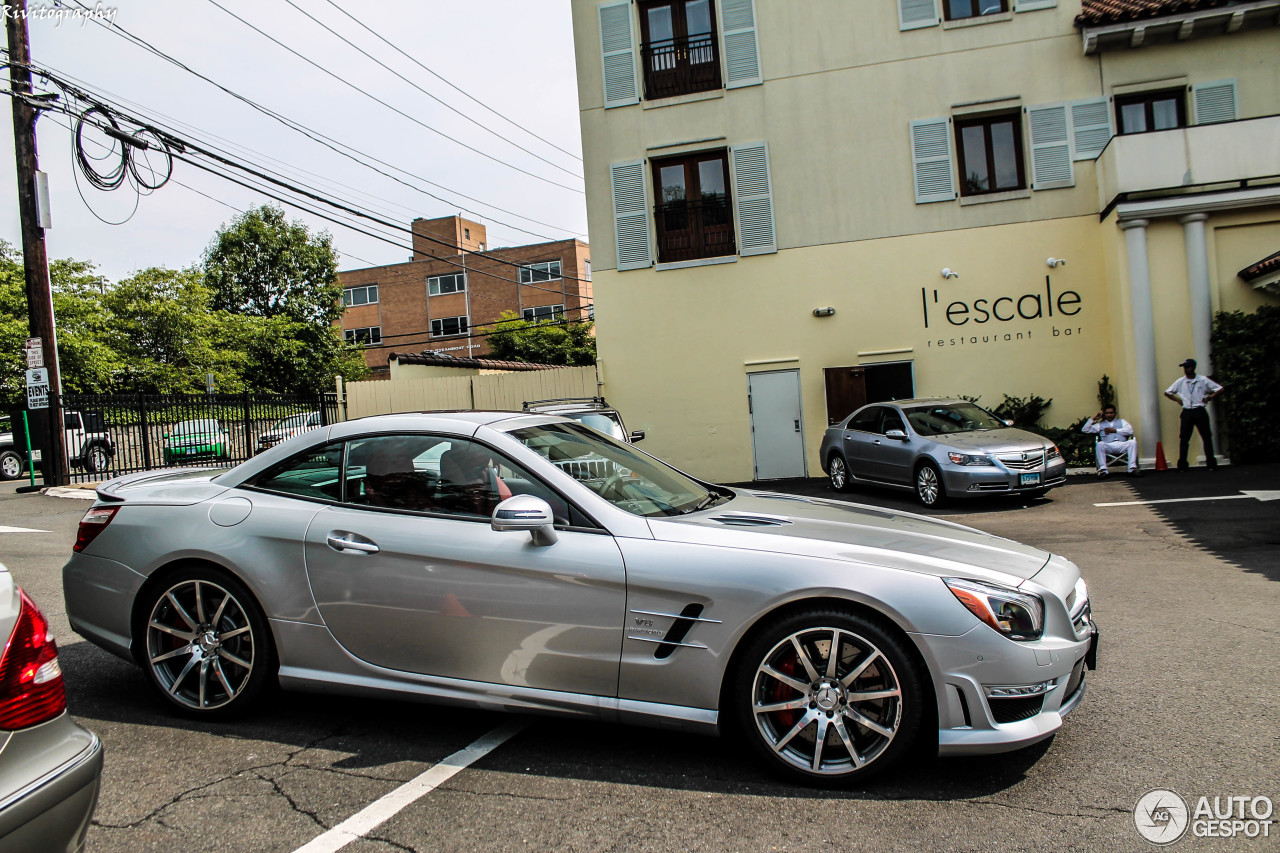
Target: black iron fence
112	434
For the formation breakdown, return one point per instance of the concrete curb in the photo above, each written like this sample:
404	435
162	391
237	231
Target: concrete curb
84	493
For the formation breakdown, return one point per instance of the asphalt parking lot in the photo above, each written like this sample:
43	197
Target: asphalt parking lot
1184	698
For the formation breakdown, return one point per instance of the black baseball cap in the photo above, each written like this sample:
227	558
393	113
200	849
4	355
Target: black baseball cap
1191	362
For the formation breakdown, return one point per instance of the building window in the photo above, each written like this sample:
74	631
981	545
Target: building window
958	10
692	211
990	154
679	49
446	326
367	295
544	312
586	269
535	273
438	285
367	336
1147	111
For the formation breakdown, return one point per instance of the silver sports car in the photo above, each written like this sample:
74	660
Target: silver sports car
528	562
941	449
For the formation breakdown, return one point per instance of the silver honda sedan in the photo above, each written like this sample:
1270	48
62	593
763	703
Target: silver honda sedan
940	449
530	563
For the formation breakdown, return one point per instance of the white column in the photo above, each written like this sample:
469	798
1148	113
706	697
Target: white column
1198	289
1144	335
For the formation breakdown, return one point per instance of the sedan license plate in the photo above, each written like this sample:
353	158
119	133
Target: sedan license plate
1029	480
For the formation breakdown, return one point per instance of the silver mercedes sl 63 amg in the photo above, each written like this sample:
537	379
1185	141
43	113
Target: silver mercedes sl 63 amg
530	563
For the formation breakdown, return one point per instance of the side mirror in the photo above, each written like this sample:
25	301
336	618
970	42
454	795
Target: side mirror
526	512
637	435
1008	422
896	435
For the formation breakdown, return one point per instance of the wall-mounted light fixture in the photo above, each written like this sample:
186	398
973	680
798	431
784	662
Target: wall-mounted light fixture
947	272
1056	262
824	312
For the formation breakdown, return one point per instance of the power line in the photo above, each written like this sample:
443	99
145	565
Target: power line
390	106
332	144
442	103
397	49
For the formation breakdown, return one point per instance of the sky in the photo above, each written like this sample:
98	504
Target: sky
514	56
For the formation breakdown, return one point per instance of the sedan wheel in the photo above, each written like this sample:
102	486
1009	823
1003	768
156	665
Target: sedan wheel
929	489
828	696
207	647
839	473
10	465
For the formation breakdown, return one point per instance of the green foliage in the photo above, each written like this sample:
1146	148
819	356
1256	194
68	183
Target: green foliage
1025	412
560	342
1246	361
1106	392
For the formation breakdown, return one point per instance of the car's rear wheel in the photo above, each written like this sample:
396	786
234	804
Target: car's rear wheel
828	697
929	488
838	473
10	465
207	646
96	459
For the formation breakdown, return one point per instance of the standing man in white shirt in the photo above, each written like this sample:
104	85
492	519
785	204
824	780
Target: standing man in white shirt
1115	435
1192	392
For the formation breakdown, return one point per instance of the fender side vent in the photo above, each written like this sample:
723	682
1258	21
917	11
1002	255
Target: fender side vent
679	628
737	520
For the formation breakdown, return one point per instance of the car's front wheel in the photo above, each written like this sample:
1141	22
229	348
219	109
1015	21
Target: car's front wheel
838	473
207	646
10	465
828	697
929	489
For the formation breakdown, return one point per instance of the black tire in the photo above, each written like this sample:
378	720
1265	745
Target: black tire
838	473
205	667
861	737
928	485
10	465
97	459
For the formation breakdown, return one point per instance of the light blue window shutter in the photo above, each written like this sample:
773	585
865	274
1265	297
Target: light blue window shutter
1050	147
1090	128
931	160
914	14
1214	102
618	54
1032	5
741	50
630	215
755	199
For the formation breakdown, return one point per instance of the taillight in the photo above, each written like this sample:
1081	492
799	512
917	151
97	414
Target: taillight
31	689
94	522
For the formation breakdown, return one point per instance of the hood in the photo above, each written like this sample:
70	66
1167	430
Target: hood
993	440
174	487
857	533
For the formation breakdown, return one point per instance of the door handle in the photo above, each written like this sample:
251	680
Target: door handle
339	541
797	424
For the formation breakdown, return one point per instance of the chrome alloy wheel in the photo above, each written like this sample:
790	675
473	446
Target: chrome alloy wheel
200	645
839	473
928	488
827	701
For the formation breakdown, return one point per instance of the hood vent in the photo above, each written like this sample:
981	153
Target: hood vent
744	520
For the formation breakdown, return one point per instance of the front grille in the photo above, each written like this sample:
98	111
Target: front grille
1022	462
1012	710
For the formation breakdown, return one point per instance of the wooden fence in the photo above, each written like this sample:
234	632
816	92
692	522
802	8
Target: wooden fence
503	391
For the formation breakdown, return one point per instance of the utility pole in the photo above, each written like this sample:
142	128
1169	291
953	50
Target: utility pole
35	260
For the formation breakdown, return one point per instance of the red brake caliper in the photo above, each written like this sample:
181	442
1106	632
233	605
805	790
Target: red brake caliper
779	693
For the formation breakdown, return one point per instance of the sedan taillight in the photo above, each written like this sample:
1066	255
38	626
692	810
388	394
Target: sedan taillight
31	690
94	522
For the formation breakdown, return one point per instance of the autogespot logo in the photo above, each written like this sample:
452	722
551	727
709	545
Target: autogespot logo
1161	816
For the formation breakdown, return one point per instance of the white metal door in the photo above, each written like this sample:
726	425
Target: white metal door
777	428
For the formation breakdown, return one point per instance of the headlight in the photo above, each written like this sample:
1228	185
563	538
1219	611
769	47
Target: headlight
969	459
1053	452
1017	615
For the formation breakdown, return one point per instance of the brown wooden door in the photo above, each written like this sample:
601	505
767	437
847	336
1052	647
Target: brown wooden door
846	391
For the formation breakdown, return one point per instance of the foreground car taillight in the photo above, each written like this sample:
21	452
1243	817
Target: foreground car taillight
94	522
1017	615
31	689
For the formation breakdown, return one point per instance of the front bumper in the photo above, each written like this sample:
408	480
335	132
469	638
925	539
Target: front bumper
974	480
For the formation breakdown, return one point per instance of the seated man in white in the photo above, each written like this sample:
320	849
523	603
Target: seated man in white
1115	438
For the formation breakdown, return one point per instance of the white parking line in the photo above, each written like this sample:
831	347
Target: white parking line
379	811
4	529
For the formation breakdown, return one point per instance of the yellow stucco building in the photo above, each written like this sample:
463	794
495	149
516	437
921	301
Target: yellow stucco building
797	206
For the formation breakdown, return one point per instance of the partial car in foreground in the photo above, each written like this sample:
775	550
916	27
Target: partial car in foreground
528	562
49	766
939	449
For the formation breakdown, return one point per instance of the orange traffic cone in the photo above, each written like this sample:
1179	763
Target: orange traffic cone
1161	463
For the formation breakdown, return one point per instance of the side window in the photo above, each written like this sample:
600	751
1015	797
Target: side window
867	420
892	420
316	474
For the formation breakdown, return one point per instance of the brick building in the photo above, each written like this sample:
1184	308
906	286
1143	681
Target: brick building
447	298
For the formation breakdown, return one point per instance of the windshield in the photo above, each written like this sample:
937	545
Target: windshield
947	418
606	422
626	478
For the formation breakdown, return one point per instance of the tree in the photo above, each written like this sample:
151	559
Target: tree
565	342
